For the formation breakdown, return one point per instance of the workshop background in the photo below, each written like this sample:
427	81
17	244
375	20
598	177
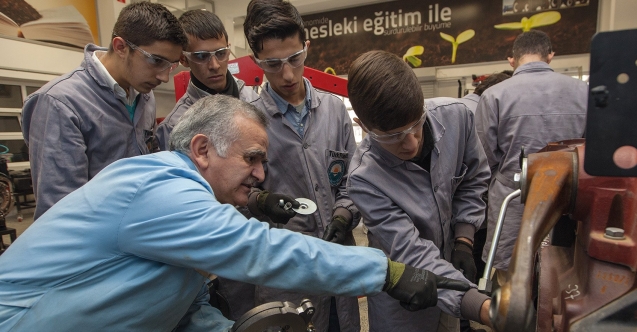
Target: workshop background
425	40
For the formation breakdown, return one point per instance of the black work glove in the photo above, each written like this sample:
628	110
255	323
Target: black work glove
277	207
462	260
417	289
336	230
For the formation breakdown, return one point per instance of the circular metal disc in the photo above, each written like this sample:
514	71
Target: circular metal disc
271	317
307	206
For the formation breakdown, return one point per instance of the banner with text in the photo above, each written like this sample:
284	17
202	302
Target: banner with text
427	33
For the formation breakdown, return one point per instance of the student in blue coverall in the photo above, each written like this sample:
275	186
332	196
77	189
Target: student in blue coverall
532	108
311	144
207	56
104	110
131	249
417	178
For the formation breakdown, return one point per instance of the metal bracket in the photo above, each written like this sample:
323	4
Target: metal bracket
276	317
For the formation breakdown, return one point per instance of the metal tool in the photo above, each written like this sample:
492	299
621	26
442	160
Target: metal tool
276	317
307	206
284	205
485	285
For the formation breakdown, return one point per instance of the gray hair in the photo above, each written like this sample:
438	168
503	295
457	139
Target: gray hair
214	117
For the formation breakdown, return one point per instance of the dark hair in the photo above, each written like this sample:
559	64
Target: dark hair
532	42
144	23
202	25
271	19
490	81
384	91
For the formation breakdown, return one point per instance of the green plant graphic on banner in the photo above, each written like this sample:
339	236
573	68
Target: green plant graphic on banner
537	20
462	37
411	56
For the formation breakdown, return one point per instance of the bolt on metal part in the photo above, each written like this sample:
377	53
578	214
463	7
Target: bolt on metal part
614	233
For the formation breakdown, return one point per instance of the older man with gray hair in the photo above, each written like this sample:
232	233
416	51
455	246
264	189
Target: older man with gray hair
131	249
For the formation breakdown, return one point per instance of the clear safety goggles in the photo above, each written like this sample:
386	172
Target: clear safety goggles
400	136
275	65
202	57
157	63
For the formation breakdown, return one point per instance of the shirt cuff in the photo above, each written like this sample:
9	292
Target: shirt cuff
343	212
253	205
471	304
465	230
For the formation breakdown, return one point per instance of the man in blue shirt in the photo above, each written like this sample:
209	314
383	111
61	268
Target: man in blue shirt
131	249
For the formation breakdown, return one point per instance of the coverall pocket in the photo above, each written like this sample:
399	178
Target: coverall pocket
456	180
336	166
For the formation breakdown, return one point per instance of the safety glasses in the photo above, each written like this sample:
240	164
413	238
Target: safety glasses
275	65
203	57
157	63
397	137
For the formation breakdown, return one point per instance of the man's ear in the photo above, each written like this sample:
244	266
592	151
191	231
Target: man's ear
184	61
511	61
550	57
119	46
199	147
360	124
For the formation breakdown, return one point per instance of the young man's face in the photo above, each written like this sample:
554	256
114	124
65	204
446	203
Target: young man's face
408	139
288	82
232	177
145	73
211	73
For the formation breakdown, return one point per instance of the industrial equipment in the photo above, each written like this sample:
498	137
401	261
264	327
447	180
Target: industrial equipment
276	317
575	261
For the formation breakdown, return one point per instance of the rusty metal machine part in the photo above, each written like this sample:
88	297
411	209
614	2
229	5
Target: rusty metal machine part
588	284
551	182
580	287
276	317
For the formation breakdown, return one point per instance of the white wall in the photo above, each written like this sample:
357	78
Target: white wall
617	15
107	10
32	60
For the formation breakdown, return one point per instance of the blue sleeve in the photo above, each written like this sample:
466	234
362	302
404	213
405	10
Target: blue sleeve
202	317
57	150
177	221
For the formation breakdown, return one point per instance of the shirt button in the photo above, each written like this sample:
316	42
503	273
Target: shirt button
305	145
316	187
301	125
436	189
